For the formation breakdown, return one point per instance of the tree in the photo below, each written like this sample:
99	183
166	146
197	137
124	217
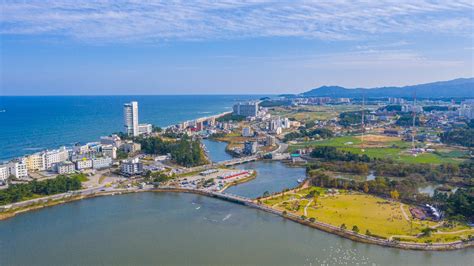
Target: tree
312	219
315	199
266	194
427	231
355	229
343	226
157	129
366	187
367	232
394	194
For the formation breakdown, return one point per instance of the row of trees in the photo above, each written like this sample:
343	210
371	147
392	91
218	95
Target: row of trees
231	117
350	118
329	153
323	133
459	205
406	120
344	167
20	192
343	161
459	136
186	152
396	189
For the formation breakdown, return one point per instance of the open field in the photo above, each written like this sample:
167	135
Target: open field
311	113
383	218
377	146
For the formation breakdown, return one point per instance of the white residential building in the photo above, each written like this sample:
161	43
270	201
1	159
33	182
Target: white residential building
145	129
18	168
101	162
56	156
83	164
131	167
4	173
412	108
64	167
285	123
130	115
109	151
111	140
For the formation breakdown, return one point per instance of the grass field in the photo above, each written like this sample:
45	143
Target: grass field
381	217
379	147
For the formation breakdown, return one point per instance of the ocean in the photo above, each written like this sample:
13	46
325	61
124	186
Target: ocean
34	123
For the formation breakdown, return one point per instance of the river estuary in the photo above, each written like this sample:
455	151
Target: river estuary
179	229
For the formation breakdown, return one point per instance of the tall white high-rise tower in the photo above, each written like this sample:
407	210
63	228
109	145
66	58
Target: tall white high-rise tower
130	116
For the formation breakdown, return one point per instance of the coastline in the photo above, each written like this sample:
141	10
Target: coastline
50	202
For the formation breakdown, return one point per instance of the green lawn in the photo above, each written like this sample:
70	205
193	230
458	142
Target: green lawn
396	150
380	216
81	177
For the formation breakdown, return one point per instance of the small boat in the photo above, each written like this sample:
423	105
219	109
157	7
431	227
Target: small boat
300	180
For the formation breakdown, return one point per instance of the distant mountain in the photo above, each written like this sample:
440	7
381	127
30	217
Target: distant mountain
457	88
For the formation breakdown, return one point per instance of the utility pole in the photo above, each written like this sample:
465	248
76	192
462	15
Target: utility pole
363	122
413	129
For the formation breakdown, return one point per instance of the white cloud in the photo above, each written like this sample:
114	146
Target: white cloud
154	21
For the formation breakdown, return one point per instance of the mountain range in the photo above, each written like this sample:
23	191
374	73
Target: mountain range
456	88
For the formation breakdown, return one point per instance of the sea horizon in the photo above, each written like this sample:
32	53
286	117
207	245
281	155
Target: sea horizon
46	122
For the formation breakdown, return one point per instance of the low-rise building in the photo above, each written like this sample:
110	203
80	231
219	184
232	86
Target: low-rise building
145	129
83	164
111	140
109	151
65	167
131	167
18	168
131	147
101	162
4	172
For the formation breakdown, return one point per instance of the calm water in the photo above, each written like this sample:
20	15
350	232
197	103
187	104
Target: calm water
169	229
30	124
271	177
216	150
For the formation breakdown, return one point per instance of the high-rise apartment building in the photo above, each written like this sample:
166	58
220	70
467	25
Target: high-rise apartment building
130	116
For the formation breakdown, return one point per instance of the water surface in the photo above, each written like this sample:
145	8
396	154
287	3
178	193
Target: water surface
185	229
216	150
273	176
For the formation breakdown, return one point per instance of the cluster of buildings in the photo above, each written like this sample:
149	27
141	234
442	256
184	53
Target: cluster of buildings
92	155
466	109
319	101
276	125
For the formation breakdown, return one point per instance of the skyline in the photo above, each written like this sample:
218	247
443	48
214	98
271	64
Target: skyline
228	47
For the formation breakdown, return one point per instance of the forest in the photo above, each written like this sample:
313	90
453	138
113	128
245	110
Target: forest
185	151
21	192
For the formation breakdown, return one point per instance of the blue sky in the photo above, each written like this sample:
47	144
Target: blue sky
229	47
